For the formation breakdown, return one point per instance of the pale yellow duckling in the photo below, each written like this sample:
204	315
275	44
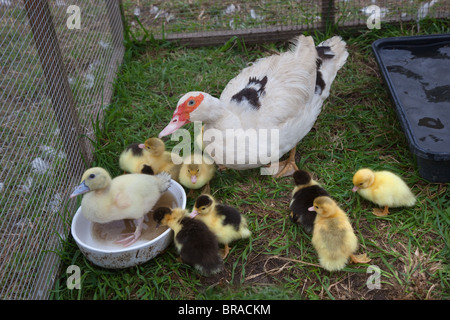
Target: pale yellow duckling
383	188
196	172
134	159
161	160
333	236
224	221
129	196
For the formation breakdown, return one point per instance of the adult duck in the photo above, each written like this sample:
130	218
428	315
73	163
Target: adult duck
267	109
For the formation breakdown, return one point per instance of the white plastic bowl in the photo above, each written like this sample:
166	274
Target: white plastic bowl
116	256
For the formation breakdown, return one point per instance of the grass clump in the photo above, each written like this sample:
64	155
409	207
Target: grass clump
357	127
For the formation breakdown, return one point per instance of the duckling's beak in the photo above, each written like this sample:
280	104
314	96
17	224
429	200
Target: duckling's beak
193	214
355	188
141	146
311	209
82	188
194	179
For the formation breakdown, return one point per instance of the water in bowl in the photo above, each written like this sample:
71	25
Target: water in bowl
106	233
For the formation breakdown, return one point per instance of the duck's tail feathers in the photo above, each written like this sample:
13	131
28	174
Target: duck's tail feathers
331	56
164	178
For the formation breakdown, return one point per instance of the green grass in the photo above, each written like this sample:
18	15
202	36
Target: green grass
357	127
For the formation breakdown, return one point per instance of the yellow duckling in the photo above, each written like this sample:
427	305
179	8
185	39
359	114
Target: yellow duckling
333	236
129	196
196	244
196	172
384	189
134	159
161	160
224	221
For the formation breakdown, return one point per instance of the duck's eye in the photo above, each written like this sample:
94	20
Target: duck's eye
191	102
91	176
361	183
316	207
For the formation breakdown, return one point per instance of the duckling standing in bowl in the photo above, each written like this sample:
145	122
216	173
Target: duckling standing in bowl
224	221
333	236
196	244
383	188
196	172
129	196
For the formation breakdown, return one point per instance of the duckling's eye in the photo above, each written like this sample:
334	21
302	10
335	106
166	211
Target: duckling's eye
361	183
191	102
316	207
91	176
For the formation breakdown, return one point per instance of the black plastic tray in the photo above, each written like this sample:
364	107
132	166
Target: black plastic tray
417	72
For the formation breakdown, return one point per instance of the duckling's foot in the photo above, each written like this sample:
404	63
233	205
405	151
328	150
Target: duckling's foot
225	251
190	193
206	189
381	213
360	258
127	239
287	167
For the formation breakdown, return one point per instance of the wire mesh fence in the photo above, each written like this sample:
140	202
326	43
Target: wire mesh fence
200	22
58	61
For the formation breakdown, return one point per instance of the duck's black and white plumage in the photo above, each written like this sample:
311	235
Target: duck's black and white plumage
284	92
305	191
196	244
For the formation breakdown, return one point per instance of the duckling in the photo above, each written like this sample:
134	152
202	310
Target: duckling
303	195
129	196
134	159
196	244
162	160
384	188
196	171
224	221
333	236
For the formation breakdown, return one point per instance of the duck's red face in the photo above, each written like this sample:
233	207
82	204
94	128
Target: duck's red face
182	113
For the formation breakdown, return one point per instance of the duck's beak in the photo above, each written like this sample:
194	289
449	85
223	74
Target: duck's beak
194	179
82	188
173	125
311	208
355	188
193	214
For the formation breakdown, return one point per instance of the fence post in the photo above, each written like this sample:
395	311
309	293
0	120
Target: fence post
58	89
115	22
327	13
